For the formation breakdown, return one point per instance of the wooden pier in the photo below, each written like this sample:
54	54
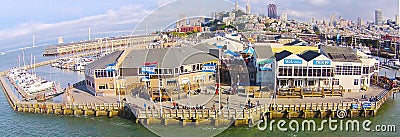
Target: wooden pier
201	116
103	109
249	116
89	109
98	44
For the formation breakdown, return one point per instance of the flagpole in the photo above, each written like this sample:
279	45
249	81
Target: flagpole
219	81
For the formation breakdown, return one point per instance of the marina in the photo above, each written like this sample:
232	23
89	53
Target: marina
218	75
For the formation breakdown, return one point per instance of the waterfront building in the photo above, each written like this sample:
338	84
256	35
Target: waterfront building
100	76
265	66
351	72
378	17
397	19
272	11
309	71
156	69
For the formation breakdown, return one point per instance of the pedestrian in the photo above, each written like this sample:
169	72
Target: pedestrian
144	105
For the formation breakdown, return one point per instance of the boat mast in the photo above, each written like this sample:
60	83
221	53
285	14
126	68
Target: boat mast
19	61
31	63
23	57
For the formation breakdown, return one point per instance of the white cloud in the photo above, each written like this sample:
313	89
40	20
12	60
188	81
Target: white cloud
318	2
162	2
127	16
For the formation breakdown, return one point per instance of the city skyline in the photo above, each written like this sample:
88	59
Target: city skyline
22	19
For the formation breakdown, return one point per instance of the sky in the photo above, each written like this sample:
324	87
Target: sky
49	19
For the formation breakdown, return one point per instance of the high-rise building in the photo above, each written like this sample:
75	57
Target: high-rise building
236	6
396	18
248	7
332	21
378	17
360	21
284	17
272	11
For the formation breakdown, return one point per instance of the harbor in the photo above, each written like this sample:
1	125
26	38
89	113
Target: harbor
296	108
218	75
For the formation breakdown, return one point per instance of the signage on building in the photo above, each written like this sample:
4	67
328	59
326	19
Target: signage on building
149	69
209	68
354	106
266	64
293	61
111	67
322	62
367	105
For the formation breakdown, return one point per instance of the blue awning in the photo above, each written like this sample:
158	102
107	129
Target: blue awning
249	50
229	52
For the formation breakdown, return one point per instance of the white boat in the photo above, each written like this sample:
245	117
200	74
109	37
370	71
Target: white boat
365	50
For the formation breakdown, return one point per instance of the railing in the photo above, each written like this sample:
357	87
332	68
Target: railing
310	91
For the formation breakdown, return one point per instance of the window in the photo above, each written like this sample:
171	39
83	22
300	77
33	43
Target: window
280	71
283	83
102	86
285	71
336	82
366	70
355	81
304	73
326	82
338	70
111	85
176	71
357	70
311	83
310	71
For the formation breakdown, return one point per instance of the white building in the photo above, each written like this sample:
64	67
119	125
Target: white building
351	72
284	17
378	17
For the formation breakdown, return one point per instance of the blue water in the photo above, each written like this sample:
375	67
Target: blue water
26	124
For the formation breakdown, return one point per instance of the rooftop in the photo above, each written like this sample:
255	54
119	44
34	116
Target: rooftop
103	62
340	54
263	51
166	57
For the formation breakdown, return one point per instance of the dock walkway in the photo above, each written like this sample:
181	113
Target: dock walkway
301	108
